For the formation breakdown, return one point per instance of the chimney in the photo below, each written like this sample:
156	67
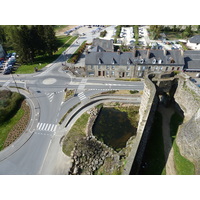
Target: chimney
118	51
148	53
164	52
182	52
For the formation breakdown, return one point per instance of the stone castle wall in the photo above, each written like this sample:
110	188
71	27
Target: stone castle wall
187	96
188	137
147	110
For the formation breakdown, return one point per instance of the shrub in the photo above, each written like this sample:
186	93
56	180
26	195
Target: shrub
134	91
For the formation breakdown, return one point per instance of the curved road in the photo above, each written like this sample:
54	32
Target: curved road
45	92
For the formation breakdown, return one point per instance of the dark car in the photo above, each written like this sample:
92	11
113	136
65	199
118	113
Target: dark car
8	71
8	55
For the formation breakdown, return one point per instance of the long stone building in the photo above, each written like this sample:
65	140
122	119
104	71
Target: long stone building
132	64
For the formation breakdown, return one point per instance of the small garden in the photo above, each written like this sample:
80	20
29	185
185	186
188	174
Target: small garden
74	58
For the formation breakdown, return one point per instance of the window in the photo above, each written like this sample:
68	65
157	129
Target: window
139	68
107	67
127	73
113	73
128	68
99	67
92	67
113	67
107	73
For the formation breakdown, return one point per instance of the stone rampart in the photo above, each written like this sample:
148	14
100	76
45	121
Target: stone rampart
187	96
147	110
188	138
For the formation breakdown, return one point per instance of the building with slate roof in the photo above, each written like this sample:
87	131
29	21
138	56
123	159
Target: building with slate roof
102	45
192	61
132	64
194	42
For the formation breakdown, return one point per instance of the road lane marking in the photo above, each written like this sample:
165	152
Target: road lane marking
46	127
52	127
81	96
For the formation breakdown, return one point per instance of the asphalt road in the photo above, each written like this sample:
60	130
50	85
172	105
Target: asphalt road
46	92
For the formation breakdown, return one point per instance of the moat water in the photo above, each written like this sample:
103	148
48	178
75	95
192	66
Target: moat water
113	127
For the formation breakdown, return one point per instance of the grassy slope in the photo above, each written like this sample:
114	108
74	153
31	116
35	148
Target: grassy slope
182	165
6	127
76	132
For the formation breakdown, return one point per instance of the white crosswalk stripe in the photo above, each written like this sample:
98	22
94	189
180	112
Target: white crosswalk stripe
81	96
46	127
50	96
82	84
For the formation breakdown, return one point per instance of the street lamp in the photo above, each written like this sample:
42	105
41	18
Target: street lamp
15	83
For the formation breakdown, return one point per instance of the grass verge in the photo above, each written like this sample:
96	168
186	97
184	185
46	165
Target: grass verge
183	166
76	132
7	126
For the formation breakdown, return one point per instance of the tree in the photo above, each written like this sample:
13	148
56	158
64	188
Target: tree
2	35
50	40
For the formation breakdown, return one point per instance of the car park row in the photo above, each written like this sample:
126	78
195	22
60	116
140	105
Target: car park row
7	64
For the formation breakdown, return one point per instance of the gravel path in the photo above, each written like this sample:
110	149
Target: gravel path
169	153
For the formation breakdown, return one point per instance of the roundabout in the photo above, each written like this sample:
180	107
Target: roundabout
49	81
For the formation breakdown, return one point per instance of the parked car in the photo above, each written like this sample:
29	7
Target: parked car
7	71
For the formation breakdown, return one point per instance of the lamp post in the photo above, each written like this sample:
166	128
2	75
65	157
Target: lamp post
15	83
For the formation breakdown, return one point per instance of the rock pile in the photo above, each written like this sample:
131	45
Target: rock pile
88	155
93	111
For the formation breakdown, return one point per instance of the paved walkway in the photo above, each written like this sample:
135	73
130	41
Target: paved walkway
169	152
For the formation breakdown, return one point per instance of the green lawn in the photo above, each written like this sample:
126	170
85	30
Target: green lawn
41	61
6	127
76	132
183	166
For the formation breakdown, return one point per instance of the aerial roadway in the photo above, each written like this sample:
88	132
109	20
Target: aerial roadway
38	150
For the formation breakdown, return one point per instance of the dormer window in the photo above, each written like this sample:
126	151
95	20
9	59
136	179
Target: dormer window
100	61
142	61
172	61
154	61
159	61
129	61
113	61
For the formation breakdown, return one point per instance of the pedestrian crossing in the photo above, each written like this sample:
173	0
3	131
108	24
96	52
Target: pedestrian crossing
81	96
50	96
82	84
46	127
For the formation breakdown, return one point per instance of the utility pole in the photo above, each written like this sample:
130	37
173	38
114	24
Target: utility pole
15	83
